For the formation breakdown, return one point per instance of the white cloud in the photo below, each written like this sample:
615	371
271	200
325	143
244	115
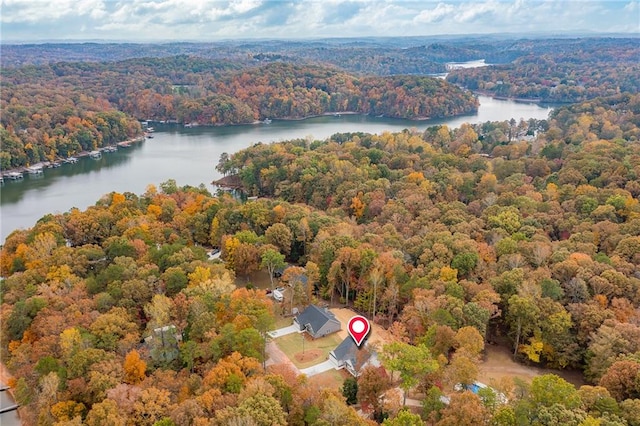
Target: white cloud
471	11
436	14
31	11
216	19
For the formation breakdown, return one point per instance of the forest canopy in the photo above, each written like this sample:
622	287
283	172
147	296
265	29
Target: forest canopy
45	116
510	231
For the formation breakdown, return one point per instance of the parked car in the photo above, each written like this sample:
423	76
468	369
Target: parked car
214	254
278	294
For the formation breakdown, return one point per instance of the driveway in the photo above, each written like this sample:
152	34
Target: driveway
318	368
275	356
283	331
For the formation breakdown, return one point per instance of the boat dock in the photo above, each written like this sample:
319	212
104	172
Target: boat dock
35	170
127	143
14	175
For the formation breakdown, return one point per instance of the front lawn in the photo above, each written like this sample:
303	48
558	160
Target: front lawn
291	345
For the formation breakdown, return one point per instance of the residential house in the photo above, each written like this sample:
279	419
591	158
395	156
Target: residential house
348	355
317	321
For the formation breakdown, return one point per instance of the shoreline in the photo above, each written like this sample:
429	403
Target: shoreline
521	100
48	164
337	115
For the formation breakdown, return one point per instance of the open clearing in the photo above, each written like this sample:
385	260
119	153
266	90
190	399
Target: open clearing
499	365
292	346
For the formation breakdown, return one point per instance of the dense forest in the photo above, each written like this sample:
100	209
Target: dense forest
572	74
46	116
368	55
513	232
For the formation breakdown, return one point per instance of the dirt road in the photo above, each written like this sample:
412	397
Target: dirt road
276	356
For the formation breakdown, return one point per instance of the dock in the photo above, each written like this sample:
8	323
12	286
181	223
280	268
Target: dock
35	170
127	143
231	182
14	175
96	155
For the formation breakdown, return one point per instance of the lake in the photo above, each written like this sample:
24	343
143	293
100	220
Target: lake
189	155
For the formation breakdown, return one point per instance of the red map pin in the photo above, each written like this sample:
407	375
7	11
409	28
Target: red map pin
358	328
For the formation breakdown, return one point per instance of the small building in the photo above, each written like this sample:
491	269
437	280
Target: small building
348	355
316	321
163	345
162	333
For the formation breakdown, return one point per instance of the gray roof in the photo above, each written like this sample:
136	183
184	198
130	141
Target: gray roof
315	318
347	351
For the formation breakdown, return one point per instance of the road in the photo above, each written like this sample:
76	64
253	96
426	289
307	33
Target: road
10	418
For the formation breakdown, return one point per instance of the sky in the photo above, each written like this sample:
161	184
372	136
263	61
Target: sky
214	20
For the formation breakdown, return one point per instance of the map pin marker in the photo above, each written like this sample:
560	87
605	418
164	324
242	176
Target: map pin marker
358	328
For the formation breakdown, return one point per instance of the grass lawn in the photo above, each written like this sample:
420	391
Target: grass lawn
282	322
291	344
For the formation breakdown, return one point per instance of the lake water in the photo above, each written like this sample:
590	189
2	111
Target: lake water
189	155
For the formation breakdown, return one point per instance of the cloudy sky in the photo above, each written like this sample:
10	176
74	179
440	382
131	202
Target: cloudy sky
163	20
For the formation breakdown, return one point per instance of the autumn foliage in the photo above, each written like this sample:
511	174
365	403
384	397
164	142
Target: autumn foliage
116	314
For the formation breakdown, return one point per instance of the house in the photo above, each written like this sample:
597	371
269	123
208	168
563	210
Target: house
317	321
163	344
348	355
164	333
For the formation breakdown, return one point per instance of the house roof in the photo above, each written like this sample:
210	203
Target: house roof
315	317
347	351
302	277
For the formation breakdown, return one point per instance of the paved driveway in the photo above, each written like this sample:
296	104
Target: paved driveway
318	368
283	331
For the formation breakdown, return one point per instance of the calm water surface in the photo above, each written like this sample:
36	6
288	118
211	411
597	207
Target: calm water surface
189	156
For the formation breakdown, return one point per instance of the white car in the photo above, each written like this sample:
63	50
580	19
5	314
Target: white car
278	294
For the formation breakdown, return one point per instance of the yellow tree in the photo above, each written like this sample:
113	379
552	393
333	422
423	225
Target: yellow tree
357	206
134	368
